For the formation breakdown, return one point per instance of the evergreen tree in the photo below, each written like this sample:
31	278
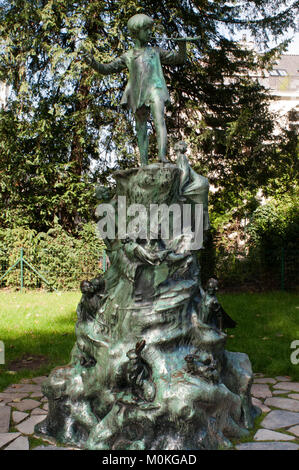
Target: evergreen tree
63	120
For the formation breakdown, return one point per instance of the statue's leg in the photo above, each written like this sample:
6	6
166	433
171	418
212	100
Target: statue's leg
157	109
141	117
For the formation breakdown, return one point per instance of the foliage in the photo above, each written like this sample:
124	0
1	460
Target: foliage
276	224
38	185
63	123
286	160
254	245
62	259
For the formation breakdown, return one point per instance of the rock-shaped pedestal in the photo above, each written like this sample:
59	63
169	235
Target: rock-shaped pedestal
149	369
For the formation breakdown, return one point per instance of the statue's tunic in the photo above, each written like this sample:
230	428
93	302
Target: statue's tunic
146	78
146	81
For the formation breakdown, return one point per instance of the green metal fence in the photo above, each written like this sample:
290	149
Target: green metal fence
258	270
274	269
22	262
23	273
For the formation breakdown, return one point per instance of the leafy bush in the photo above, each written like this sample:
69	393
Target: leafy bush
260	255
275	224
61	258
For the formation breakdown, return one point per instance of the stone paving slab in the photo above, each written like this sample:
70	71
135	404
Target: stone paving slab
283	378
38	411
4	418
259	404
39	380
36	395
21	443
6	437
261	391
279	392
277	419
268	446
25	405
27	427
19	416
51	448
294	430
12	396
268	435
283	403
294	396
292	386
25	388
264	380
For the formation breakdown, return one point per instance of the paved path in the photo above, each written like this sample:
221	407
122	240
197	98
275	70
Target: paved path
23	405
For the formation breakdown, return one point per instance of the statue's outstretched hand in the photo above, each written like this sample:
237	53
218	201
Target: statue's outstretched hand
85	55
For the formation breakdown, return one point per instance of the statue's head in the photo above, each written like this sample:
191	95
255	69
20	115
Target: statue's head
86	287
98	284
206	358
212	286
139	23
180	147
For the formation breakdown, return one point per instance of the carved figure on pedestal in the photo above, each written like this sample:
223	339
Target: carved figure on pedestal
203	365
193	186
211	312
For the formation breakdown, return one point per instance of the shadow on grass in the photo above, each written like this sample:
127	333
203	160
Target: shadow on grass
47	351
267	325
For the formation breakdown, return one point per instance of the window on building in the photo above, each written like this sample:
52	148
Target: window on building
278	72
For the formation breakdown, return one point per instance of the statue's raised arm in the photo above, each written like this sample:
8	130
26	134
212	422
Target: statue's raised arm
114	66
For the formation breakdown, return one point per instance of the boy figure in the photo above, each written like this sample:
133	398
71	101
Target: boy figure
146	90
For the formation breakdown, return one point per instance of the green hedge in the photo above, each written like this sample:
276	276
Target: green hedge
62	259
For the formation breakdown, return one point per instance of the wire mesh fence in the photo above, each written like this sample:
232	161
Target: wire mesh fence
34	272
274	269
257	270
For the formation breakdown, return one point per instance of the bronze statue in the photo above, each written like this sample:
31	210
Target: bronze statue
146	91
149	369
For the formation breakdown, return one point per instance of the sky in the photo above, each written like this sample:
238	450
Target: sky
294	46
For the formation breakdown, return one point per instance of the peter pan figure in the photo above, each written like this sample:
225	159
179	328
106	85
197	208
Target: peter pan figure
146	91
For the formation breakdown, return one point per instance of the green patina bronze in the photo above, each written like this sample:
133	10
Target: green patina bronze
146	91
149	369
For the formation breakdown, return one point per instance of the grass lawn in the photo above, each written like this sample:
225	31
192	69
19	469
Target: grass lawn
267	325
38	331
